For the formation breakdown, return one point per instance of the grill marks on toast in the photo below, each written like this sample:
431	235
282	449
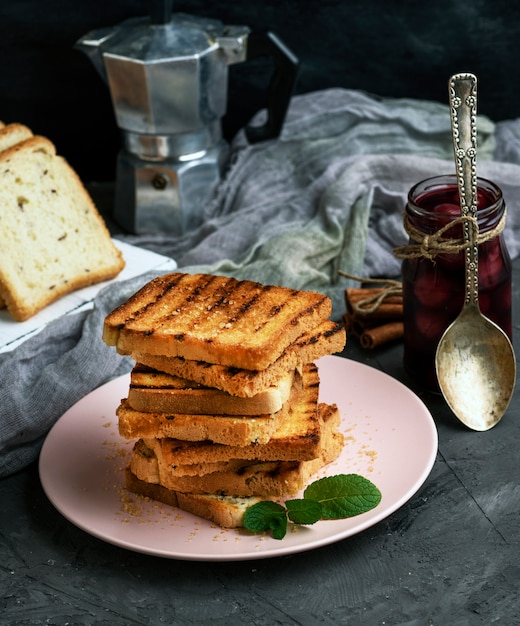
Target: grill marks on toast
145	378
225	429
152	306
193	313
154	391
186	303
214	319
327	338
297	414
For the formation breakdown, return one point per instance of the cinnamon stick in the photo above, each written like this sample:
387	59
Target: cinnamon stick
358	325
374	315
360	293
373	337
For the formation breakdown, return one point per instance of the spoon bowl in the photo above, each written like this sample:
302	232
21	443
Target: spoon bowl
476	369
475	361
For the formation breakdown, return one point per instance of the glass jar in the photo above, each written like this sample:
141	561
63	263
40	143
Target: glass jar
434	288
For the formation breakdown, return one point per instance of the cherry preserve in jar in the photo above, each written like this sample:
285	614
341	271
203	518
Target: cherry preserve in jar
433	268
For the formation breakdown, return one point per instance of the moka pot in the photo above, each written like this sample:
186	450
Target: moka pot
168	79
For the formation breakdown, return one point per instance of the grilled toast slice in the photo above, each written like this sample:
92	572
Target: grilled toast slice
235	430
226	511
232	430
297	438
327	338
153	391
303	443
214	319
274	479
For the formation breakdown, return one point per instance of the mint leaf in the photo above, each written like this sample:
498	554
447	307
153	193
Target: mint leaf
264	516
343	495
302	511
332	497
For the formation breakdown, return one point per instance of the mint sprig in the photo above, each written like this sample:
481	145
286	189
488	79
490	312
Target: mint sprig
332	497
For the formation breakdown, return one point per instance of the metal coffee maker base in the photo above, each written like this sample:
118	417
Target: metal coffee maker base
169	196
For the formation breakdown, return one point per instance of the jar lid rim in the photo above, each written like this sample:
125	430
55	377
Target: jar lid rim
428	184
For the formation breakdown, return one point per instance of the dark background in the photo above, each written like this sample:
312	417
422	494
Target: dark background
397	48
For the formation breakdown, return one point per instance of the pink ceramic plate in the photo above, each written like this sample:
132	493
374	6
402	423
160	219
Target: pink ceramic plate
390	438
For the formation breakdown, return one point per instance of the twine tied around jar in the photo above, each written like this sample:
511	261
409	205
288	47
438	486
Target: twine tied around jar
429	246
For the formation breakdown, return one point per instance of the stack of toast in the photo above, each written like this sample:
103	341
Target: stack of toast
224	396
52	238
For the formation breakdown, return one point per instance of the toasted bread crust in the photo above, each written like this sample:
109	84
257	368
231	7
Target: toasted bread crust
200	469
154	391
214	319
327	338
227	512
228	430
238	431
297	438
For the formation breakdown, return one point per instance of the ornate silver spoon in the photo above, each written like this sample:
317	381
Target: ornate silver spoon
475	361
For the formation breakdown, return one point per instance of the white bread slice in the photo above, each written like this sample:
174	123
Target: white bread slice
226	511
214	319
153	391
327	338
52	239
229	430
11	134
267	479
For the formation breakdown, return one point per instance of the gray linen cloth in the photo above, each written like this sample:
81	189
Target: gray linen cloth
327	195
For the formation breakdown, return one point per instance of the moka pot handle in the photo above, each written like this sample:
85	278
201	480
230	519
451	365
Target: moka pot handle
280	89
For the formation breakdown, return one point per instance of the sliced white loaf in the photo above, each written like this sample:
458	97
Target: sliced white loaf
52	238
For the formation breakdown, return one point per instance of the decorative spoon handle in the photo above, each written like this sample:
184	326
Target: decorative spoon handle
463	107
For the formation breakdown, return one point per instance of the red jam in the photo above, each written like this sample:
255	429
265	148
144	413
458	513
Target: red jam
433	290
